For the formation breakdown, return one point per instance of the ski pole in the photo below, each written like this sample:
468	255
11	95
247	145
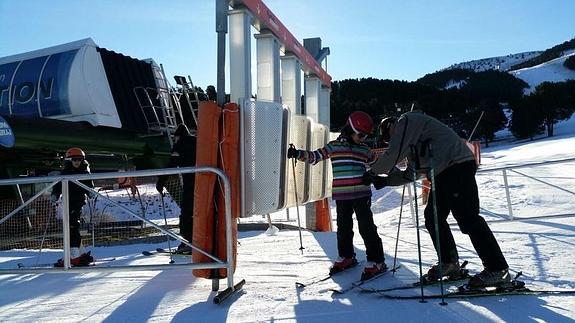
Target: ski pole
44	236
398	226
166	223
296	203
476	124
436	222
414	173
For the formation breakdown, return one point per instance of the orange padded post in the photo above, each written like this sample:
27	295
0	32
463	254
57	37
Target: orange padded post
206	155
323	215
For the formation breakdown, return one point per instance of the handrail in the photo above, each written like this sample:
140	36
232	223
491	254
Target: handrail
511	168
550	162
228	264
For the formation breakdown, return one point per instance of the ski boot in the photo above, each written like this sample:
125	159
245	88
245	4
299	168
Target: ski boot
84	259
373	269
342	264
184	249
490	278
450	271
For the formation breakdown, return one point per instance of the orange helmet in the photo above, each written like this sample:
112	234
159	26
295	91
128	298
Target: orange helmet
75	152
360	122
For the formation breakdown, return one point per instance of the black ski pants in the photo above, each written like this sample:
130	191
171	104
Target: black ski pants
367	229
187	210
456	191
74	220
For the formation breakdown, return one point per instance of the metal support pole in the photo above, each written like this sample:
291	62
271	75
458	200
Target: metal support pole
66	222
222	7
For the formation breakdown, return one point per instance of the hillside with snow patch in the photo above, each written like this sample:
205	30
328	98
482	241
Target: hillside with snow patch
551	71
502	63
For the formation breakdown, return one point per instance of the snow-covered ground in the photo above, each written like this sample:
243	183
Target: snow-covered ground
541	248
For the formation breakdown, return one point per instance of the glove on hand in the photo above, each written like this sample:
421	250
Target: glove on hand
371	178
292	153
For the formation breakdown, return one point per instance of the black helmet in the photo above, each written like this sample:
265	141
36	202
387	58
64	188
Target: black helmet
182	131
384	127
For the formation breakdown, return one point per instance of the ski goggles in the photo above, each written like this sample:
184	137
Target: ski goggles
361	135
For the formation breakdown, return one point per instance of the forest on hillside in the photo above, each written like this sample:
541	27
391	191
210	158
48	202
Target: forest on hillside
488	92
547	55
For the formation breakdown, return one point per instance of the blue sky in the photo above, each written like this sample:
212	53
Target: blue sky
385	39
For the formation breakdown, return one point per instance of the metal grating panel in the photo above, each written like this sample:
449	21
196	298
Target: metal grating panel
300	135
265	126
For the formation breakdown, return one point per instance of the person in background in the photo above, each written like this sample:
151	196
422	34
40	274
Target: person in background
75	163
427	143
349	158
183	155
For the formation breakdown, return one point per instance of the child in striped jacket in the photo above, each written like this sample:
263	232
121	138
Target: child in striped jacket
350	158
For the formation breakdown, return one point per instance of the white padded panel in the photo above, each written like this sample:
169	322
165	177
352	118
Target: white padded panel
329	174
265	126
300	135
317	172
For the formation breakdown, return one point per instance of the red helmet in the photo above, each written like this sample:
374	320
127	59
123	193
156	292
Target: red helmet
360	122
75	153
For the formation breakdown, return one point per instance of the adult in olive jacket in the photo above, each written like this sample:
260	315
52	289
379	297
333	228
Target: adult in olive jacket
429	144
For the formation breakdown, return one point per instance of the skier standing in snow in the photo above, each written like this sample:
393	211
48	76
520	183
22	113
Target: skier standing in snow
74	163
349	157
436	145
183	155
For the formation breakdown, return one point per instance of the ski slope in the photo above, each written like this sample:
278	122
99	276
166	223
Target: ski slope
541	248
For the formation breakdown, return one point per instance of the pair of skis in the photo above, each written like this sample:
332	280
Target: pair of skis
359	283
96	262
322	278
162	251
515	287
344	290
462	275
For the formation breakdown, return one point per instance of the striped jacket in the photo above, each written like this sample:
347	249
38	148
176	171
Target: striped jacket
348	161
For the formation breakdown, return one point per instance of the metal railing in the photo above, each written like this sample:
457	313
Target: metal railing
505	170
67	179
514	169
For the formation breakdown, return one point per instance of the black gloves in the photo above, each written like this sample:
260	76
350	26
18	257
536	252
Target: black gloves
292	152
371	178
